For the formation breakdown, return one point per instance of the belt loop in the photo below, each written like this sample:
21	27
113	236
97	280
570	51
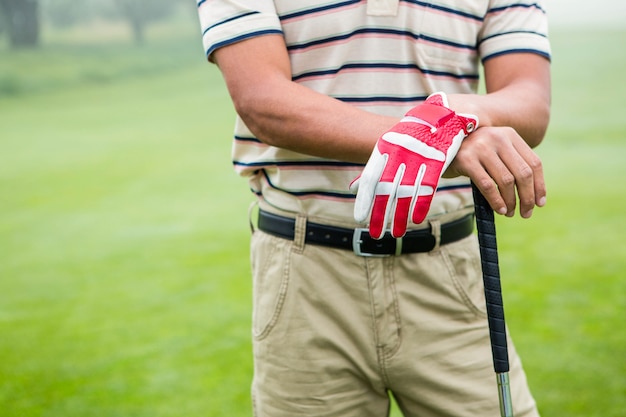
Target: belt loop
250	210
435	230
299	233
398	246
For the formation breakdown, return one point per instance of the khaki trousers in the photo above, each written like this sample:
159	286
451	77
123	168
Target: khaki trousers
335	333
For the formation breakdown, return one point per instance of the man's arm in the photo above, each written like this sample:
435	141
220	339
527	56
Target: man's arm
514	116
518	95
287	115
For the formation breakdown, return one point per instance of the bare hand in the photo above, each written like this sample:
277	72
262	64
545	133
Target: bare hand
504	168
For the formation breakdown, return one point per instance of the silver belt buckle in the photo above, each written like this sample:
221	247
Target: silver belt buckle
357	241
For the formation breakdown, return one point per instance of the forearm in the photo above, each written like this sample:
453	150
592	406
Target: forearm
301	120
308	122
287	115
518	96
527	115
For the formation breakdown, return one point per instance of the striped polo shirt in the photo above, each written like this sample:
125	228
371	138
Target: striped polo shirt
379	55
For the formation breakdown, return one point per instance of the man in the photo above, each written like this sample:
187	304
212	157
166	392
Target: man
317	87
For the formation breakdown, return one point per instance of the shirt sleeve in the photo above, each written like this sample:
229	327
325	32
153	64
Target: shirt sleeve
514	26
224	22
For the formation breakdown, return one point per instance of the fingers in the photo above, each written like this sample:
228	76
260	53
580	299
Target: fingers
529	179
505	169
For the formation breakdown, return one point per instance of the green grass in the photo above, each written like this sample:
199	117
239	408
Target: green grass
564	289
124	285
124	277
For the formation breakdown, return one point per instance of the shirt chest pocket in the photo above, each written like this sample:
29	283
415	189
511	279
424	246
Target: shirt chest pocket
447	35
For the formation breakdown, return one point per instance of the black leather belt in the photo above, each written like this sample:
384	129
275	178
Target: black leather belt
360	242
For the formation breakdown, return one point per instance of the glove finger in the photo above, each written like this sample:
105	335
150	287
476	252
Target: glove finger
401	216
425	183
421	208
365	186
405	195
379	218
384	204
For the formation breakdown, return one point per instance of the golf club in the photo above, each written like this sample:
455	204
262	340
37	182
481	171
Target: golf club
486	227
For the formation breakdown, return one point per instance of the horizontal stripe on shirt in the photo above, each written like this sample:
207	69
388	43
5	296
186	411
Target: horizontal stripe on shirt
384	65
380	66
377	31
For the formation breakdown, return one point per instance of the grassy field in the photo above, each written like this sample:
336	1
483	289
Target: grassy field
124	278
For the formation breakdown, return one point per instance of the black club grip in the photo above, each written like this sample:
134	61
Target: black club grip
486	227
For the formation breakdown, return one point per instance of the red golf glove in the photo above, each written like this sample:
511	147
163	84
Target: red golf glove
404	169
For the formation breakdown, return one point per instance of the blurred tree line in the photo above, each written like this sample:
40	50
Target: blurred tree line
21	21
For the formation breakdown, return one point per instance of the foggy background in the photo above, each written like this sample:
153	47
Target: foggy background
24	23
124	284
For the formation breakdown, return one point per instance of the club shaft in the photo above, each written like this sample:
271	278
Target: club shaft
504	395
